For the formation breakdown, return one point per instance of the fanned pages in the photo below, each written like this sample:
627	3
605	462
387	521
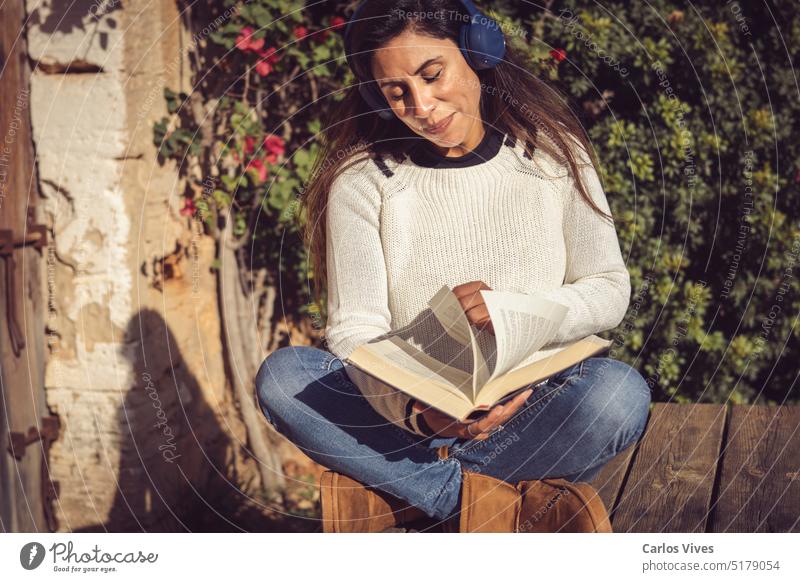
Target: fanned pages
522	324
447	309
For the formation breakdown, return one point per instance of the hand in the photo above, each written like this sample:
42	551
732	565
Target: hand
447	426
473	304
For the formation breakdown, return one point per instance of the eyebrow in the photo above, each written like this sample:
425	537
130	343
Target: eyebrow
417	72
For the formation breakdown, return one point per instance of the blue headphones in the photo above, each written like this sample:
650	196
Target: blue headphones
481	42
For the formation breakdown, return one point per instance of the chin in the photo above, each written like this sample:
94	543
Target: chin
447	139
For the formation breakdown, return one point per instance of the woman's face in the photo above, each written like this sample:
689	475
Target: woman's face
426	81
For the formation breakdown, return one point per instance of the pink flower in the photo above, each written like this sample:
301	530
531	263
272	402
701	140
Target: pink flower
300	32
257	45
189	208
338	22
558	55
269	57
274	146
249	144
260	169
263	68
270	54
321	35
245	41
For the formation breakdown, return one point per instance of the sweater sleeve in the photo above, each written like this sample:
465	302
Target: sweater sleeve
358	305
596	286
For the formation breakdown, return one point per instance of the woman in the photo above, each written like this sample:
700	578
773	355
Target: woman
452	165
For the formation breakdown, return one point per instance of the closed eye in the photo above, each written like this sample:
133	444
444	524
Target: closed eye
429	79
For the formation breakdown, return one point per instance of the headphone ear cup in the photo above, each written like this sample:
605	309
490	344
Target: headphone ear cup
482	43
463	44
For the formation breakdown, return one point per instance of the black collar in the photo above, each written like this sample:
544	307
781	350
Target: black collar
424	154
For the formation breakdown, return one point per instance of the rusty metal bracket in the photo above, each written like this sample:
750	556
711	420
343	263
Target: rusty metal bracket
18	441
37	237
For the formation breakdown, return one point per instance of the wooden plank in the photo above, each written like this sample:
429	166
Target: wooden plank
670	484
608	481
759	486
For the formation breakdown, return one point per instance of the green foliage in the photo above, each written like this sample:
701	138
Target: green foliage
691	153
261	92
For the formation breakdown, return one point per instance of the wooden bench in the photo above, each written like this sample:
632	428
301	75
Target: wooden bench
708	468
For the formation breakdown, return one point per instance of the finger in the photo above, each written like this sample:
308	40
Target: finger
496	416
472	431
500	414
464	432
479	317
475	427
486	325
471	302
489	421
514	406
521	398
517	402
478	313
467	288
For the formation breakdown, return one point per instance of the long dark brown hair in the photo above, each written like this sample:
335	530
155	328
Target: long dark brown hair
545	123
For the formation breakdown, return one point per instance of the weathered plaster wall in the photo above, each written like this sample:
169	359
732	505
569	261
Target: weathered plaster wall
135	368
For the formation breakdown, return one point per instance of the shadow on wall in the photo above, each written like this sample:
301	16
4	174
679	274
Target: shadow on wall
174	455
66	16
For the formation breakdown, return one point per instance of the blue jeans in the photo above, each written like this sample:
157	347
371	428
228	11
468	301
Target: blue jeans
568	428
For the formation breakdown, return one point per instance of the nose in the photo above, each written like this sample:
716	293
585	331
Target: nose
422	102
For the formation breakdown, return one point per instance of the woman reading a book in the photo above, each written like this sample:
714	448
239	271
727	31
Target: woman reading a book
447	163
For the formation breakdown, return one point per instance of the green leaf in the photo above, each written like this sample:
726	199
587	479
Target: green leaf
322	53
262	17
221	198
303	59
230	182
314	126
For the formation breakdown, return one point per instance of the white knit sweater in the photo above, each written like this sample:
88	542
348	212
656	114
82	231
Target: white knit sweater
397	232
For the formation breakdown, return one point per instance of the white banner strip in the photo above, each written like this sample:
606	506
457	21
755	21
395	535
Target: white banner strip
388	557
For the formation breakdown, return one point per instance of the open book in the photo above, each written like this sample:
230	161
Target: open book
522	324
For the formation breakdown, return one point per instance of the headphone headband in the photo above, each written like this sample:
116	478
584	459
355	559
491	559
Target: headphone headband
481	42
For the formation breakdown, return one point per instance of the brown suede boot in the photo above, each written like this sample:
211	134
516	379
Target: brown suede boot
487	504
558	505
349	507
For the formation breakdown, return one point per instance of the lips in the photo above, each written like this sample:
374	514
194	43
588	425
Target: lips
441	125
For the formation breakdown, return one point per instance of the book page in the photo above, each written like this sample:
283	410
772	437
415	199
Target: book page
522	324
397	363
447	309
403	355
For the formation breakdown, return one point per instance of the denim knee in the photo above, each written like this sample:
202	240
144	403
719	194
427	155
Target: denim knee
282	375
617	400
